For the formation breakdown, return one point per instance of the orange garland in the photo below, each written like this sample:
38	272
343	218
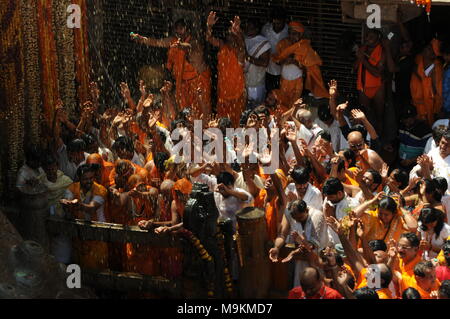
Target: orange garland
82	54
423	3
49	60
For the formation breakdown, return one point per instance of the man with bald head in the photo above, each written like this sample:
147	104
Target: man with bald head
366	157
312	287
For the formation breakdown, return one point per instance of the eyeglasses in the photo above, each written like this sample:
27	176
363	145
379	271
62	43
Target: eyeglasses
403	247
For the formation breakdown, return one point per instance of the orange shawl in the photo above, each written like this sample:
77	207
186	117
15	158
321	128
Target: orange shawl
370	81
230	80
307	57
426	99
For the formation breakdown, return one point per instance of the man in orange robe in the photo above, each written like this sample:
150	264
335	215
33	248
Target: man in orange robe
370	83
231	91
102	176
141	259
297	55
424	280
426	84
86	199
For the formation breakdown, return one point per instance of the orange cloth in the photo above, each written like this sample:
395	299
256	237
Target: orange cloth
106	167
185	187
230	85
426	92
140	258
291	92
369	83
297	26
90	254
378	231
136	170
408	269
384	293
308	58
412	282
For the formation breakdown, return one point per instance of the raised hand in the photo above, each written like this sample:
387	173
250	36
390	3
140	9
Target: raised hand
124	89
252	120
236	25
358	115
333	88
334	224
212	19
273	254
384	170
166	88
342	107
359	228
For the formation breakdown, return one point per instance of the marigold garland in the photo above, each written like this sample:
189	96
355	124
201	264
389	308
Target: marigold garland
32	70
12	82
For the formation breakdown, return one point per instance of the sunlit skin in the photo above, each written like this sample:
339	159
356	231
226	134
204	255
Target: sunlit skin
301	189
405	250
444	147
309	282
385	216
356	141
336	198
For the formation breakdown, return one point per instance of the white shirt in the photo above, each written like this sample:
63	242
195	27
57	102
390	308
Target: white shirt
341	210
313	196
255	75
240	182
65	165
337	138
435	241
25	174
431	144
228	207
274	38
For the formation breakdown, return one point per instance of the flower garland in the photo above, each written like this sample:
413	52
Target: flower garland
424	3
82	54
32	74
65	49
203	255
12	80
228	281
49	62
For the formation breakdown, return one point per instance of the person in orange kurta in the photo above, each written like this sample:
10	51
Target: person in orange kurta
230	66
102	176
86	199
142	198
424	280
426	84
370	82
296	55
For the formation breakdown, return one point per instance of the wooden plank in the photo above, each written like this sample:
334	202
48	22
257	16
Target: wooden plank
128	282
108	232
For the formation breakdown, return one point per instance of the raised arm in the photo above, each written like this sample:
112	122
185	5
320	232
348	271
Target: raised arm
160	43
361	117
210	22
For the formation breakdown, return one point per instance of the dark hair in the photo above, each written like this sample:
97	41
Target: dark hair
325	135
411	293
429	215
76	145
183	114
262	110
160	158
340	166
444	289
350	156
389	204
445	47
225	178
446	135
412	238
432	188
48	160
377	179
332	186
174	124
365	293
301	175
324	113
421	267
297	206
85	168
377	244
446	251
441	184
244	117
255	22
123	143
224	123
402	177
278	13
438	132
386	276
182	23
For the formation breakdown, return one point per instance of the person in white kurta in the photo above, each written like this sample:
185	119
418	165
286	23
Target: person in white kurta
307	222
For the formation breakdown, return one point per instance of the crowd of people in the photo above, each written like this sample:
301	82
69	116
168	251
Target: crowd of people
348	215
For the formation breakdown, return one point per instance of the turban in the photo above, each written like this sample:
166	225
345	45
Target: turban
297	26
183	185
95	159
